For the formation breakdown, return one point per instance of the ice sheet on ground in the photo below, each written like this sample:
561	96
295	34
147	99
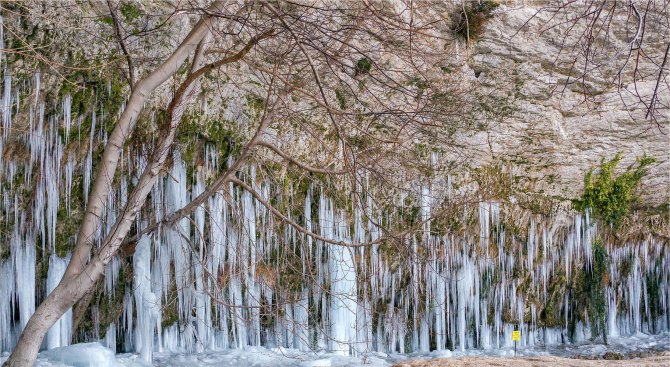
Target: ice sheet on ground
264	357
94	354
77	355
624	345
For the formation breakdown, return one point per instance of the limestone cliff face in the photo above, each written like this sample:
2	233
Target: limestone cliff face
556	132
526	124
550	132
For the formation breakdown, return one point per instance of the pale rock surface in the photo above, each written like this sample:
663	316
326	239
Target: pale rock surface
554	135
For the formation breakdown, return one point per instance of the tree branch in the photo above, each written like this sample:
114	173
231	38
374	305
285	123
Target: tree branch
295	225
117	32
650	110
304	166
123	128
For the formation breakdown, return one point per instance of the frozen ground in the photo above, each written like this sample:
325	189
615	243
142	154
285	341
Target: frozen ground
659	361
630	346
93	354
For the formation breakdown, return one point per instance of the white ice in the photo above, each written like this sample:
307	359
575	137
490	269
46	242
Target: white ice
94	354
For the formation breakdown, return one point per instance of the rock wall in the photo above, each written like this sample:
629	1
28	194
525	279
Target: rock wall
556	132
462	280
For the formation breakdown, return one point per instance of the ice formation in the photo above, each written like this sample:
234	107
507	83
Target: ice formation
233	276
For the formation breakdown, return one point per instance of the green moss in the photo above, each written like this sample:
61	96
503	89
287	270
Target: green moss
130	11
551	316
68	226
109	306
589	287
4	252
68	223
283	268
537	203
359	142
341	99
91	90
493	182
169	319
363	66
296	184
626	266
410	216
600	279
169	310
193	133
450	218
224	137
291	277
420	83
654	285
611	197
255	104
106	20
43	262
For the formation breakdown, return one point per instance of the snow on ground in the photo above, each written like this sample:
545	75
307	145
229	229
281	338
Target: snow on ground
77	355
95	355
263	357
660	361
628	345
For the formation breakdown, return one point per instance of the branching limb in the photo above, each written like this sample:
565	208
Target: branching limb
654	96
301	165
295	225
175	111
220	181
102	184
122	44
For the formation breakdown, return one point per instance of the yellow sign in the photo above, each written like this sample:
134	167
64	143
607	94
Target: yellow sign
516	336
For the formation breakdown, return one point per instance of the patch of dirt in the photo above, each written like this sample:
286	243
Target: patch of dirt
659	360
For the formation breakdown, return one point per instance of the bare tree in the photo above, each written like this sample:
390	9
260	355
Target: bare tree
362	83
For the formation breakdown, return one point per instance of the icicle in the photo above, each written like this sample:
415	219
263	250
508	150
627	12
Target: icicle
202	302
110	337
343	295
67	116
145	299
7	289
60	333
7	104
38	78
24	254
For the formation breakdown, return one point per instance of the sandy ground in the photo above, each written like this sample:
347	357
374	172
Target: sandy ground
663	360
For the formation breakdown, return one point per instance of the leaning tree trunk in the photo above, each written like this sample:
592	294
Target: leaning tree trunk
49	311
102	184
84	274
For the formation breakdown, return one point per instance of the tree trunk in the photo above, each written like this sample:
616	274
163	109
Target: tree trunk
50	310
81	274
122	130
31	339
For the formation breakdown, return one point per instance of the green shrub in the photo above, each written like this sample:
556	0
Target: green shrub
610	197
